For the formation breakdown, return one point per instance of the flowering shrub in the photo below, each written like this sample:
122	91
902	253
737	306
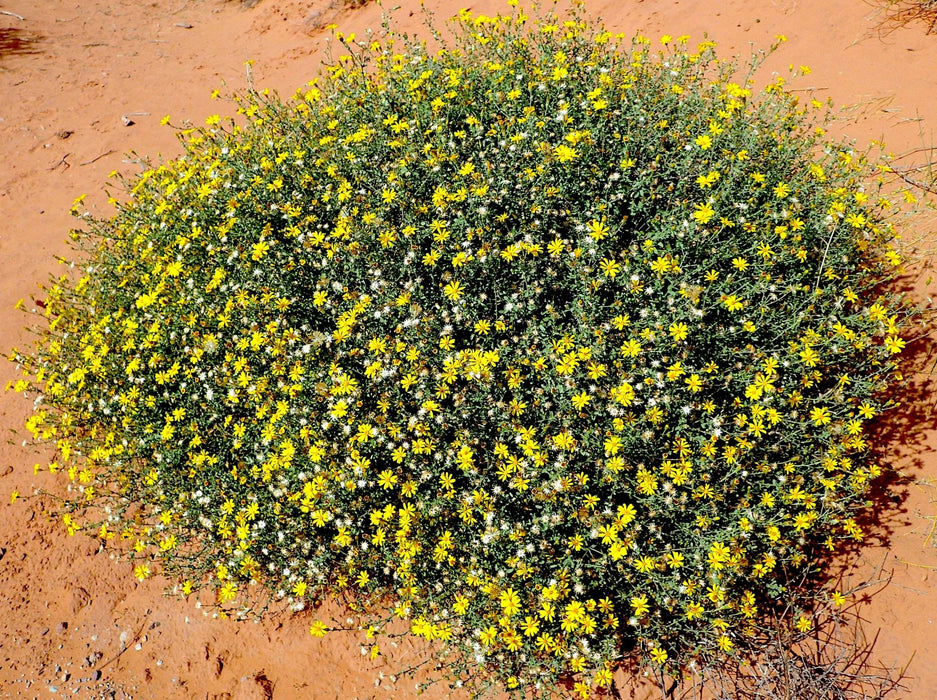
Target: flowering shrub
559	347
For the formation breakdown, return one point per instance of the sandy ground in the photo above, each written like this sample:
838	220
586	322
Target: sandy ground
73	621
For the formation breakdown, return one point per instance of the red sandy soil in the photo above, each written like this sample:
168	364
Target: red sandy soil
74	621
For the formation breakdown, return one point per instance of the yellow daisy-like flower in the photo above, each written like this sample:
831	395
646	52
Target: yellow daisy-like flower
510	602
564	153
820	415
488	636
387	479
454	290
580	400
645	564
610	268
640	605
703	213
678	331
732	302
894	344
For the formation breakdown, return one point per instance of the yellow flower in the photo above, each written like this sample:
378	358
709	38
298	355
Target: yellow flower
597	229
809	356
387	479
678	331
603	677
658	656
608	533
645	564
732	302
454	290
894	344
674	560
610	267
318	629
530	626
640	605
820	415
564	153
718	555
580	400
259	249
510	602
703	213
626	513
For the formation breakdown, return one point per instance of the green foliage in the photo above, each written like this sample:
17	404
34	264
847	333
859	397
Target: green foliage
561	348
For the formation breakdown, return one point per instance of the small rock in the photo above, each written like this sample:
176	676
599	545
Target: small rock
61	627
96	675
64	133
53	689
127	120
66	676
184	25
